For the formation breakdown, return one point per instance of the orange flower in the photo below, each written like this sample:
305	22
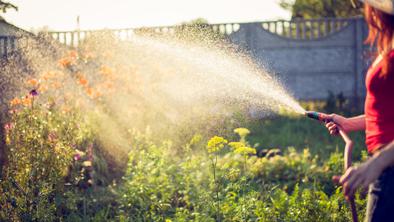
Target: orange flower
65	62
97	94
15	101
42	88
48	75
56	85
83	81
105	70
89	91
26	101
32	82
66	109
73	54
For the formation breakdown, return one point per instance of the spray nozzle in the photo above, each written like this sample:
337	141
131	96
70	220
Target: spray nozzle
322	117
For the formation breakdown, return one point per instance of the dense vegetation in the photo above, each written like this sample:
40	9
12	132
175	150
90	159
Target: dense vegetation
59	169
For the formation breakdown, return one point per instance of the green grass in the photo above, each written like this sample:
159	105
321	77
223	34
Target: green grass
299	132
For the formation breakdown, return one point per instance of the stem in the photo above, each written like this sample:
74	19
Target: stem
214	162
216	189
243	188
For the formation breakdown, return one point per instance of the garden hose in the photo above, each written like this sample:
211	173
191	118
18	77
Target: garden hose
347	153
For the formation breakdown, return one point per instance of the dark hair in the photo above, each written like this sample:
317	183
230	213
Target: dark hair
381	33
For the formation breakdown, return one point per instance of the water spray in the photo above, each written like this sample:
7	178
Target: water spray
322	117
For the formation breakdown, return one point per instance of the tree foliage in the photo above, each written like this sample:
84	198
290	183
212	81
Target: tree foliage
320	8
4	6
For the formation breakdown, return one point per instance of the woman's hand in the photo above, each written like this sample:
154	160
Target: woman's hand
338	120
360	176
346	124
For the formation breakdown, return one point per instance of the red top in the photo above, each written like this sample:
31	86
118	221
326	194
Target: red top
379	108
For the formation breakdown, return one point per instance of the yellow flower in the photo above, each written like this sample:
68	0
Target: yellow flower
242	132
233	174
236	145
215	144
196	139
245	150
87	163
7	140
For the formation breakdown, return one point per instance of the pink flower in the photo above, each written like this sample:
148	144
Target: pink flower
52	136
77	156
8	126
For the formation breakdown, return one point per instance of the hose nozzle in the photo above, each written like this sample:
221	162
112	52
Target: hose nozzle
322	117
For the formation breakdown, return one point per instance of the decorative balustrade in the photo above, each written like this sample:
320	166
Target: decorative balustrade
296	29
7	45
74	38
306	29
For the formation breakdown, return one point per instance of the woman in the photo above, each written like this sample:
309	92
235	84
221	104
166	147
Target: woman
378	121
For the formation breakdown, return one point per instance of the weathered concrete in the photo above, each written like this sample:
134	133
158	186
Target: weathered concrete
311	57
310	68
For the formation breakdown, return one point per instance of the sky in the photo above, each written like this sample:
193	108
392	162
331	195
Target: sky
59	15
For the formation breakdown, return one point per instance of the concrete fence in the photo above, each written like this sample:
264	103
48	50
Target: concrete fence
7	45
311	57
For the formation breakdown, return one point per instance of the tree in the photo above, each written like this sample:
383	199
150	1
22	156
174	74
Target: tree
320	8
4	6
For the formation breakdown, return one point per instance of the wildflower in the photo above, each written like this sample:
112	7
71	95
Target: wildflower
77	157
65	62
87	163
33	82
73	54
245	150
196	139
15	101
97	94
83	81
242	132
7	140
65	109
8	126
26	101
48	75
56	85
52	137
236	145
104	70
233	174
42	88
215	144
89	91
13	111
33	93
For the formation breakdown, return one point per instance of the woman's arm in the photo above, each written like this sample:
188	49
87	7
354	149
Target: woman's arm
367	172
356	123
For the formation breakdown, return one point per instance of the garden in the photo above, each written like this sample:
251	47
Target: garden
82	142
